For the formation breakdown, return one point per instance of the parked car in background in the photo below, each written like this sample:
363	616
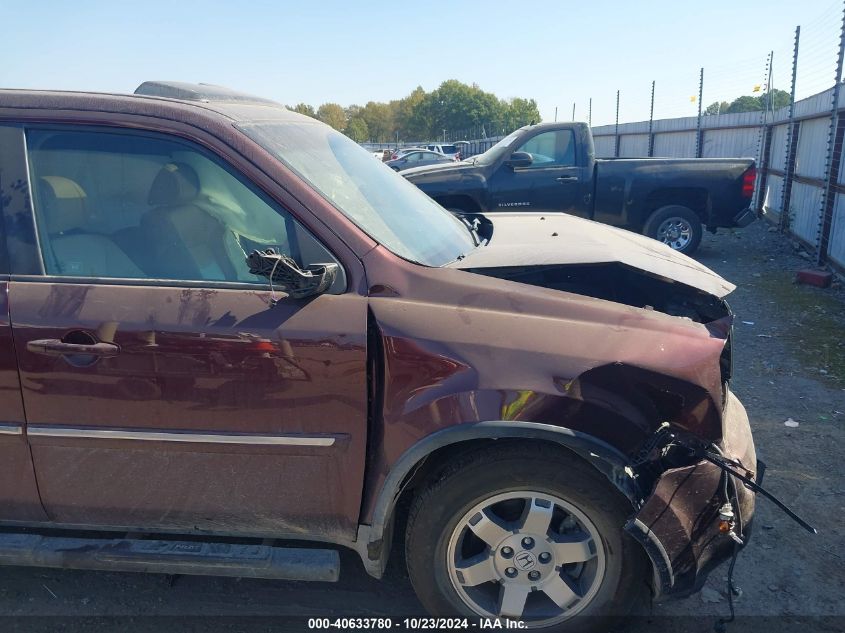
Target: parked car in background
401	151
551	167
451	150
418	158
224	324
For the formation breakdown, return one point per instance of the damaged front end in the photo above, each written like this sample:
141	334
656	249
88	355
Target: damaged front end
690	514
696	514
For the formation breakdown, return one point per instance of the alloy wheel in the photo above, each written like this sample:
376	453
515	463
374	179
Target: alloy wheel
526	555
675	232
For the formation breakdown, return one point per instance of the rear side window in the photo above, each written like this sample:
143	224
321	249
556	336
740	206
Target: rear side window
122	205
551	149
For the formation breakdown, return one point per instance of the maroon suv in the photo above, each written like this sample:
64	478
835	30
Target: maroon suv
225	322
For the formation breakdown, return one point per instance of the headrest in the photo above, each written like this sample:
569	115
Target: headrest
175	183
64	203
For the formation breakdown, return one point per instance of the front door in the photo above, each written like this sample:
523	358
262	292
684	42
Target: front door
551	183
162	386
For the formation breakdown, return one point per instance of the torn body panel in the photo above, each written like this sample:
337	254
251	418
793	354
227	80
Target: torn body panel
489	349
459	349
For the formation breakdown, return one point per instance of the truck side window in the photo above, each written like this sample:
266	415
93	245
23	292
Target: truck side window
123	205
551	149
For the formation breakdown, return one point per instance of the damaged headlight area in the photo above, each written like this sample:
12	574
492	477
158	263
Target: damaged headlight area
701	505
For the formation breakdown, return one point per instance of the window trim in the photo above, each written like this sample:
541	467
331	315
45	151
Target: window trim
167	136
574	164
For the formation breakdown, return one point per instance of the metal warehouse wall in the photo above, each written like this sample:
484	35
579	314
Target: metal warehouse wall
810	217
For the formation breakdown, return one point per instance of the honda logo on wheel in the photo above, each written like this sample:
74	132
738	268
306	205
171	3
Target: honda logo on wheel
525	560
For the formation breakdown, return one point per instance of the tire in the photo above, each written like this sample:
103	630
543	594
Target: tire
676	226
441	540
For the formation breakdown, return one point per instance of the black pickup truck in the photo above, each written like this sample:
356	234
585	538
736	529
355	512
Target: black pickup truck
551	167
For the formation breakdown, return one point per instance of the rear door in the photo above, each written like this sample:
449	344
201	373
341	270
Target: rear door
19	500
552	183
163	387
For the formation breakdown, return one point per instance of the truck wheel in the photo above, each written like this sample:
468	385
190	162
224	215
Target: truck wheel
676	226
528	533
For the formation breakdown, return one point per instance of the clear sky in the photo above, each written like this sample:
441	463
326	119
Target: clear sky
559	53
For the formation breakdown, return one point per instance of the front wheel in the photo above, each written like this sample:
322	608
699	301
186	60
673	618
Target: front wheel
676	226
527	533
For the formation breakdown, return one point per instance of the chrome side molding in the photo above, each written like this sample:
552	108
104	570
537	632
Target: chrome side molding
9	428
179	436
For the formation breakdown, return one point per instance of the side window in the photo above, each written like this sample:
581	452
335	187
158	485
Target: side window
414	157
110	204
551	149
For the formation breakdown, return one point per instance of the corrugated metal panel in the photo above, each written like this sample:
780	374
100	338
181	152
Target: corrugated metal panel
804	211
737	143
633	145
638	127
772	198
675	145
814	105
676	125
837	232
735	119
605	146
812	148
600	130
777	158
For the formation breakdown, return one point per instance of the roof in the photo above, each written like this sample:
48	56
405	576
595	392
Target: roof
205	93
166	99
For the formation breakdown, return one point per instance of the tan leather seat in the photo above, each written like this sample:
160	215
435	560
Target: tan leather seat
73	248
187	242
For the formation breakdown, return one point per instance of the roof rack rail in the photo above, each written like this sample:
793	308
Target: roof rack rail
204	93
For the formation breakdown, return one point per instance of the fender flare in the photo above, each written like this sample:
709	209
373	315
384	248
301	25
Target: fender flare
373	541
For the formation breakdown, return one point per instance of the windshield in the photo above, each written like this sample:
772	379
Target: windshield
382	203
494	153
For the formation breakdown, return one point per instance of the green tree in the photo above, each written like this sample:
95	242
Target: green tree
304	108
379	119
458	107
332	114
521	112
411	121
779	99
352	111
716	108
357	129
744	104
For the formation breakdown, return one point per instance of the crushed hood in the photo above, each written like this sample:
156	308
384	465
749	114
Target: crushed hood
534	239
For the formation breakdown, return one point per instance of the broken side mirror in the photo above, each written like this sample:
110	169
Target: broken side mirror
286	275
519	159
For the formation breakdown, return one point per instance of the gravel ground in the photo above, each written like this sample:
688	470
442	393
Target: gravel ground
789	364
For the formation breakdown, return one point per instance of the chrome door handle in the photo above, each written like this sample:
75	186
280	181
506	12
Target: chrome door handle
566	178
55	347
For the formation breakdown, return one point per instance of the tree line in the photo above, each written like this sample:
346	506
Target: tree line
454	106
749	103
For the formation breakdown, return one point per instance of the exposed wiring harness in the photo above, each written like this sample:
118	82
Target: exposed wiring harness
731	473
662	443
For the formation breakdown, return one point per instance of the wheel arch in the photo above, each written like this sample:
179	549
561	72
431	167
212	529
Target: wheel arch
422	459
697	199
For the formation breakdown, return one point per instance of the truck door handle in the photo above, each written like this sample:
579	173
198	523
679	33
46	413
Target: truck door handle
55	347
566	178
